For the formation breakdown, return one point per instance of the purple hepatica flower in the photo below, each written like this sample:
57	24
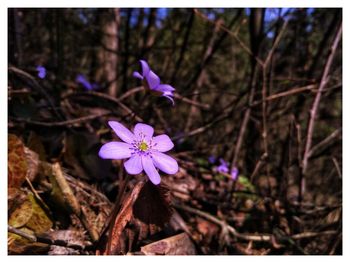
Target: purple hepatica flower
41	72
234	173
151	81
145	151
223	167
212	159
86	84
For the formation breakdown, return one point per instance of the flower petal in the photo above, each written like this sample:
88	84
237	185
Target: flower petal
165	163
137	75
162	143
169	98
145	68
153	80
83	81
41	71
133	165
234	173
165	87
143	131
150	170
115	150
122	132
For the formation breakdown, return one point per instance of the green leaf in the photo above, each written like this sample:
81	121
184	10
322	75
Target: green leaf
246	184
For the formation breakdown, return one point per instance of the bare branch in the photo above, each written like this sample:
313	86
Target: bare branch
313	112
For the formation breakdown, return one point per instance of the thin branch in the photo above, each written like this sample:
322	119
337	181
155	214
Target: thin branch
35	85
224	28
245	120
324	143
109	98
61	123
202	128
192	102
313	112
275	44
224	225
264	101
337	167
285	93
313	234
130	92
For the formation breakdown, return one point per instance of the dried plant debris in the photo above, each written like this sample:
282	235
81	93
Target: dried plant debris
17	162
70	236
30	218
175	245
145	210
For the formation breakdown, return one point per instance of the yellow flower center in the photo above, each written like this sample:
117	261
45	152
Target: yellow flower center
143	146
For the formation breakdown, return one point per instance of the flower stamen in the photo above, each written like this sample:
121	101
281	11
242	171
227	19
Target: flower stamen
143	146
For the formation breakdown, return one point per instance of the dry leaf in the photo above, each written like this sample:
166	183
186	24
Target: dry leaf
123	217
31	215
175	245
15	197
70	236
31	218
17	163
18	245
152	206
33	163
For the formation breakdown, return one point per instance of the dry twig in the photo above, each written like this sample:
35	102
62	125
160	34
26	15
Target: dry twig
313	112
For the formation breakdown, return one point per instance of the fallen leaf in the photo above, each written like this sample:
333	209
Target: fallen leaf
179	244
152	206
70	236
18	245
15	197
124	216
17	163
21	215
39	221
33	164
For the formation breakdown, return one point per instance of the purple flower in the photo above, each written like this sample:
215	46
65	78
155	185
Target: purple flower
212	159
86	84
145	151
234	173
223	167
151	81
41	72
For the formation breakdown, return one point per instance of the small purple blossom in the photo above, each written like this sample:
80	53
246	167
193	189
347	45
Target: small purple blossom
151	81
223	167
212	159
86	84
234	173
144	151
41	72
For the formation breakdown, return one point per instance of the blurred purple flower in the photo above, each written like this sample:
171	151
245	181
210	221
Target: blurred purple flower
41	72
234	173
223	167
151	81
86	84
212	159
144	150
